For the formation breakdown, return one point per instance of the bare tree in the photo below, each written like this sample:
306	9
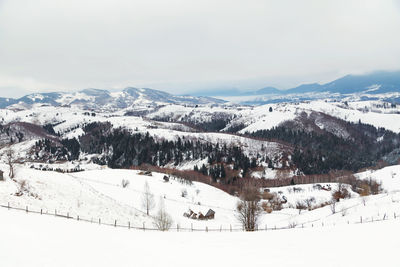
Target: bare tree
10	154
248	209
162	220
147	199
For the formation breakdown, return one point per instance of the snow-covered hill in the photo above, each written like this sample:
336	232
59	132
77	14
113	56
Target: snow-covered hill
98	99
35	240
98	193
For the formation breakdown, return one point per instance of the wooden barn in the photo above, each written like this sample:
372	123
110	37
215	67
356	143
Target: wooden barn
209	215
199	216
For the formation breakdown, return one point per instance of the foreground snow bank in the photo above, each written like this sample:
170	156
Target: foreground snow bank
34	240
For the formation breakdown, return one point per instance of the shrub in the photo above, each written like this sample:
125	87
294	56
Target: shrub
309	202
341	192
343	211
184	192
124	183
364	190
162	221
268	196
266	207
273	200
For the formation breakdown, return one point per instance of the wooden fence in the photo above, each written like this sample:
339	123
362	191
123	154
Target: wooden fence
178	228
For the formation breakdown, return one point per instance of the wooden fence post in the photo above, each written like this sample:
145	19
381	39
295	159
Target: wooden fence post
191	226
220	228
115	223
177	227
41	211
144	228
360	219
206	229
8	205
55	212
395	215
230	227
99	221
67	215
26	209
129	225
77	217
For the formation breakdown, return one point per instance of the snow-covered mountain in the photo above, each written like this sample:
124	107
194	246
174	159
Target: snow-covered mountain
99	99
373	86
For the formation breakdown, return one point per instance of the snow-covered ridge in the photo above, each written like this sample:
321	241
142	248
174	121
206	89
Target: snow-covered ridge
98	99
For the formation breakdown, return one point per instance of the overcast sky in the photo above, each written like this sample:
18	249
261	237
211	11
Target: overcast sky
185	46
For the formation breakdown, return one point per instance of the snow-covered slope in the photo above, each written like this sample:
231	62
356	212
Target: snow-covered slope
35	240
99	194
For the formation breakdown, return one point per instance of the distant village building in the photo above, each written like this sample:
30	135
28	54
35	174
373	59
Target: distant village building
210	214
192	215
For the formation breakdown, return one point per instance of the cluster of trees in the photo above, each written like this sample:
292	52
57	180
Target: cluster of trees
49	128
321	152
68	149
73	146
47	149
122	149
217	172
12	136
119	148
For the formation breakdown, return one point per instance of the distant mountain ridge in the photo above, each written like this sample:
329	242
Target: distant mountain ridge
375	83
103	99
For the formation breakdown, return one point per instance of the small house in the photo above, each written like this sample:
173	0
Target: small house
209	215
201	216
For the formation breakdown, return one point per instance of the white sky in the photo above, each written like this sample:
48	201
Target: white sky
182	46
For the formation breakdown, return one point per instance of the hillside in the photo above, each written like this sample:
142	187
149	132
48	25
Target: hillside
255	132
99	194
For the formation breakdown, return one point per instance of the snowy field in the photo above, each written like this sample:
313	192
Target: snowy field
34	240
99	194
